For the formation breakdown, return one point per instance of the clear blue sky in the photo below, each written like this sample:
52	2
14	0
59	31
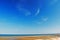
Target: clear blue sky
30	16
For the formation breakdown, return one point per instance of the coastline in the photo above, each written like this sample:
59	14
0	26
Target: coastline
28	36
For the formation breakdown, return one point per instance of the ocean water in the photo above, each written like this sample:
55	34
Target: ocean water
10	35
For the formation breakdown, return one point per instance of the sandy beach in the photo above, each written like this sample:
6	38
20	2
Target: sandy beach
30	38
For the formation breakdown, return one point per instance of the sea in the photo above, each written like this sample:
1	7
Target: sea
2	35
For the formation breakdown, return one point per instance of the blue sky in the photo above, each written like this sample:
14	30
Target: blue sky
29	16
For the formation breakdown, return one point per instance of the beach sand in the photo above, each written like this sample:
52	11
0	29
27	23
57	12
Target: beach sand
30	38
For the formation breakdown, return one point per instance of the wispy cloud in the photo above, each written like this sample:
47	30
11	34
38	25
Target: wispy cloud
38	22
23	10
27	14
45	18
38	11
41	20
53	2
